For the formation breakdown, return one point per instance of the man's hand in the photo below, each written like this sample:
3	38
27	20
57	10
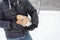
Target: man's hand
23	20
19	22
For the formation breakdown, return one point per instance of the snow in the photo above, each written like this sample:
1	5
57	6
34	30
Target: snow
49	26
48	29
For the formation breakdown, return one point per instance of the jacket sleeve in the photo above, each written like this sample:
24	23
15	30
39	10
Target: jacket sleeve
33	13
4	24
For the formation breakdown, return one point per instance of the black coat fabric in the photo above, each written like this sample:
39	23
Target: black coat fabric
8	18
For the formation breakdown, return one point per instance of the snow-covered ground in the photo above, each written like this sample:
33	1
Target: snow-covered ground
49	26
48	29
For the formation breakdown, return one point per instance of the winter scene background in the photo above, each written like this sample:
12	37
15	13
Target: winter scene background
49	21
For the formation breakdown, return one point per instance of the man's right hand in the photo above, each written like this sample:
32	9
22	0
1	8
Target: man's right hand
23	20
19	22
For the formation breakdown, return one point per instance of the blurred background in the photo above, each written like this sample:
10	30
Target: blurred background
49	20
50	4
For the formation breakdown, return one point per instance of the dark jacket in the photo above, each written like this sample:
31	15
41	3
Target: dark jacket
8	18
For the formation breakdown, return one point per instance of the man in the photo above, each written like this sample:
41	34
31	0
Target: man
9	9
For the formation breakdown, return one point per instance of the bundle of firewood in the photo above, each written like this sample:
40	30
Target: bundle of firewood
23	20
